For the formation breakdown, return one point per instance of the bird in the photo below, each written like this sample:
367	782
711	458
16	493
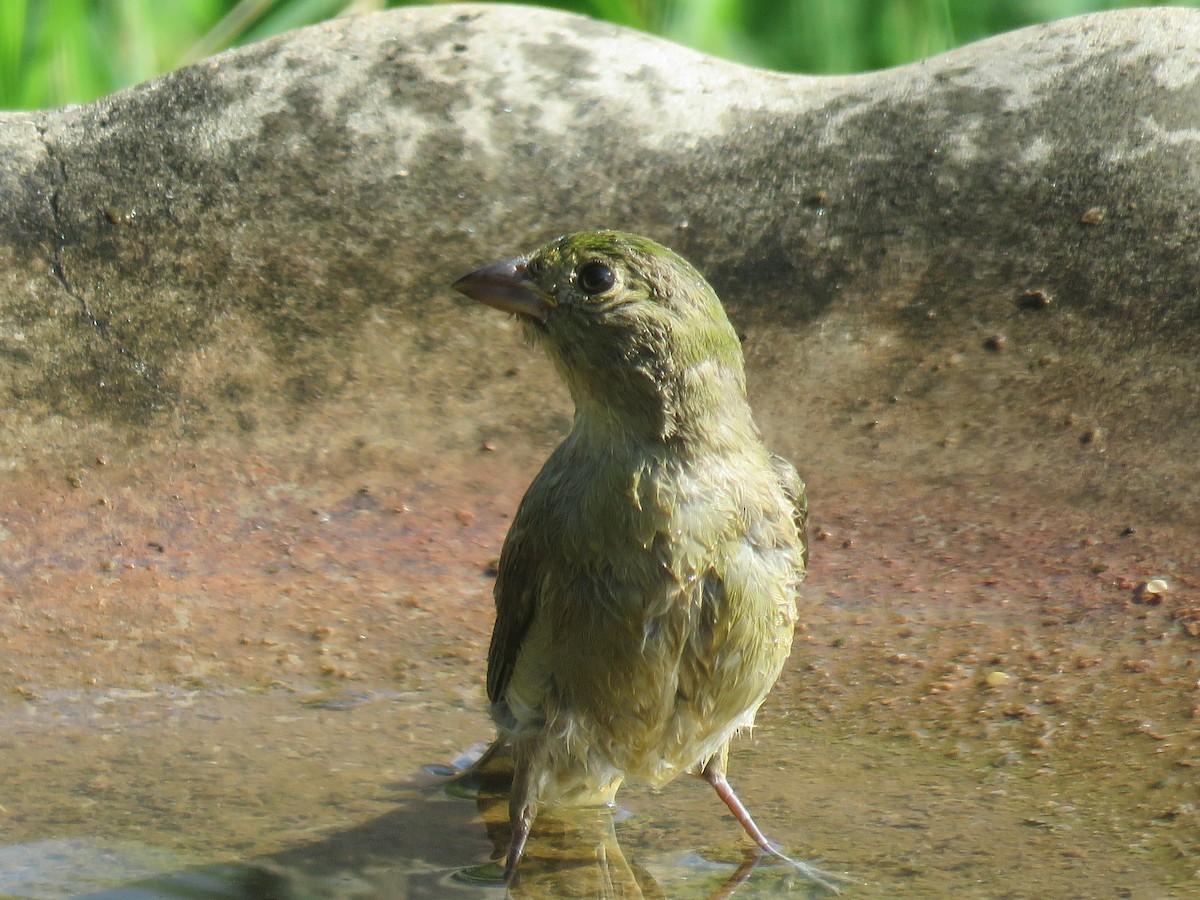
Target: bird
647	589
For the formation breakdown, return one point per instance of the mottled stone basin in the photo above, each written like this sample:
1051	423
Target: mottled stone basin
256	461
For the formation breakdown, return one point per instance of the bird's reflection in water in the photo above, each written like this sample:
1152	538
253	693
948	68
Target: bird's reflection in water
574	852
571	853
423	848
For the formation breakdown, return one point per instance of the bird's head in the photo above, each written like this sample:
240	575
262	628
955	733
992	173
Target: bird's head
637	333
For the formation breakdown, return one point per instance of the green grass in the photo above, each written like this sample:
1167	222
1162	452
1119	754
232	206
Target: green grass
54	52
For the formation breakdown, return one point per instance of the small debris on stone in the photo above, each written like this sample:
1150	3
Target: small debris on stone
1189	617
1137	665
1034	298
1151	592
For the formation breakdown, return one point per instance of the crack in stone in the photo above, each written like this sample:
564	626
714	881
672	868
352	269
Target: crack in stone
60	241
56	259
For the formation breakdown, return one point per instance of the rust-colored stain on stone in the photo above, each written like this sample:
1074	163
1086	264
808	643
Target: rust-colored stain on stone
965	660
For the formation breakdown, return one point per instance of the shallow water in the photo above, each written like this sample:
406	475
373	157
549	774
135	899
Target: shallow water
201	794
226	670
311	792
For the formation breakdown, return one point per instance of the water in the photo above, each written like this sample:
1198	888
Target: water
292	794
224	672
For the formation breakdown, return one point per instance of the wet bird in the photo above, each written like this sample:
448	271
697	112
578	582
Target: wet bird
647	589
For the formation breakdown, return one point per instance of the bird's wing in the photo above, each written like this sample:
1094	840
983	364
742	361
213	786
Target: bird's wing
516	602
794	490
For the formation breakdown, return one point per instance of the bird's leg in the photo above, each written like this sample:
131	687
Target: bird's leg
522	805
714	774
522	822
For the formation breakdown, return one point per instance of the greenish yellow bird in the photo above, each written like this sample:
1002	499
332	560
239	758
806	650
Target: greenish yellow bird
647	589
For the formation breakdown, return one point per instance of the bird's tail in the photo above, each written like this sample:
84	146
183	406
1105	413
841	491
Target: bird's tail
490	775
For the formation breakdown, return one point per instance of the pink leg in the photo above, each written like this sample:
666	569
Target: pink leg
714	774
522	821
522	805
716	777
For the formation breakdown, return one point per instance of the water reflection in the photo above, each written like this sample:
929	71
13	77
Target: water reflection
576	854
194	794
292	794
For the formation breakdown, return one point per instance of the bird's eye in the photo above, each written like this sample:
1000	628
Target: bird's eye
595	277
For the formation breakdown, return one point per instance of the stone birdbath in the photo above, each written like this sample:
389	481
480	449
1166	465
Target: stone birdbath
256	460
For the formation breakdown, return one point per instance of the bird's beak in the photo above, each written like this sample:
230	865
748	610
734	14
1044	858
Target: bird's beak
505	286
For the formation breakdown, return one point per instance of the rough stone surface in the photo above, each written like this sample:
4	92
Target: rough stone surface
226	246
249	438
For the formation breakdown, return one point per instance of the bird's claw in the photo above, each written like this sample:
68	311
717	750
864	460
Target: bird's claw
817	877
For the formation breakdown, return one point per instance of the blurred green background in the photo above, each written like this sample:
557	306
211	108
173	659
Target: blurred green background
69	51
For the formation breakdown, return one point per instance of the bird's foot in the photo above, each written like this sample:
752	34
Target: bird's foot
817	877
